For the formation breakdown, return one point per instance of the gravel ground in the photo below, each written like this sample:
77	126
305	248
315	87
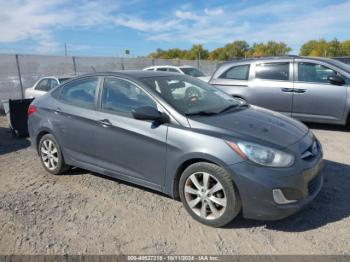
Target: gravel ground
84	213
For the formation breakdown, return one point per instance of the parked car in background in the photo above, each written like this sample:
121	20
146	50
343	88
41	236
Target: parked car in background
220	157
309	89
43	85
185	70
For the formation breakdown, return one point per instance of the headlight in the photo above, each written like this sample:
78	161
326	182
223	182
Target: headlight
262	155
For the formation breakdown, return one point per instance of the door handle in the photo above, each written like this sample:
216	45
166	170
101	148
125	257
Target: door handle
105	122
300	91
286	89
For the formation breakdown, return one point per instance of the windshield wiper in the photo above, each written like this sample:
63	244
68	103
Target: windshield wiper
229	107
236	106
202	113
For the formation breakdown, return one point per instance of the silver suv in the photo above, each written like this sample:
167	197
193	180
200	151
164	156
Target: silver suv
309	89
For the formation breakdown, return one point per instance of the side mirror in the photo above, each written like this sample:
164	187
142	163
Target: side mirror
148	113
336	80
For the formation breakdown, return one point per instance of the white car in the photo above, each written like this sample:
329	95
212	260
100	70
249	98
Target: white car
44	85
185	70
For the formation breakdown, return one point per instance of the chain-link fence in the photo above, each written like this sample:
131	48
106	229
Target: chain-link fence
18	72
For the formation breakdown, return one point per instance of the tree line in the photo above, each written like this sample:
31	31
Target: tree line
241	49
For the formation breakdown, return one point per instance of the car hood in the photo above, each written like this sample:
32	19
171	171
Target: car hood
254	124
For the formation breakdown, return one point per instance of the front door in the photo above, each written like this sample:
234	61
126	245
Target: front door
132	149
272	86
315	99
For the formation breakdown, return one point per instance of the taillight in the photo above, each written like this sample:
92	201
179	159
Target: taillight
31	110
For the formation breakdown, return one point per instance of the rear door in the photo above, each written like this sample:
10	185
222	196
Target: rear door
132	149
265	84
272	86
75	119
315	99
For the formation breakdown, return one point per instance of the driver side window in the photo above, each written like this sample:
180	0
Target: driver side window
122	96
314	73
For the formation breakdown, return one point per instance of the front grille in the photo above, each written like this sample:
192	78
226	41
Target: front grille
314	185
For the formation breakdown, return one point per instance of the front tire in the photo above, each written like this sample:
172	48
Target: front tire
51	155
209	195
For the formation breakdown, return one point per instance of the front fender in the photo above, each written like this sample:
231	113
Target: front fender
185	146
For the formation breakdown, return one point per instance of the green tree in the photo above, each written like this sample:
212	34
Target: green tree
236	49
196	51
217	54
334	48
325	49
345	48
271	48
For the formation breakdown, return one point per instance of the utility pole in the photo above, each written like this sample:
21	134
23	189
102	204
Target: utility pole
65	49
198	58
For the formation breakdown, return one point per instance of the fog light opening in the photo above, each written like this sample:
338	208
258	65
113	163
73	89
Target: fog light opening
279	197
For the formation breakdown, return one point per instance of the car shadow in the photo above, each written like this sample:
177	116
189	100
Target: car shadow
9	144
331	205
328	127
76	171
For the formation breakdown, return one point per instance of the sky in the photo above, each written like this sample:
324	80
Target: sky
108	27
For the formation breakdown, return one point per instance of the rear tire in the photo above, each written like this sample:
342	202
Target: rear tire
51	155
209	194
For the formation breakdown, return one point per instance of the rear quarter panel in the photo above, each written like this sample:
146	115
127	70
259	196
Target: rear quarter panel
40	120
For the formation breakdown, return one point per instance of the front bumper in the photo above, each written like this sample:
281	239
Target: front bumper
301	183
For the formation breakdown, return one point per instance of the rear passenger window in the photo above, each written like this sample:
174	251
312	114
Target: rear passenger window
272	71
237	72
173	70
162	69
43	85
80	93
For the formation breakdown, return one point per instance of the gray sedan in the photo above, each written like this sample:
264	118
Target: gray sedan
309	89
220	157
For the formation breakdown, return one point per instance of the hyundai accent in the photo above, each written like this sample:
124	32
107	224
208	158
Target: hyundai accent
218	155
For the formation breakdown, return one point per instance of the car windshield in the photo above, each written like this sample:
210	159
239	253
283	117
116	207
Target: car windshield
339	64
190	96
191	71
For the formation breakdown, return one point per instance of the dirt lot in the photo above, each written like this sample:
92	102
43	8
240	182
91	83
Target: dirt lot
84	213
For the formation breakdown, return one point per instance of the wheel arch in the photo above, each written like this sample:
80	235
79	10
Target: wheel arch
190	161
179	171
41	133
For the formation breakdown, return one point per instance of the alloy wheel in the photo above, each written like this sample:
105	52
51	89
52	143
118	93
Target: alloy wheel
49	154
205	195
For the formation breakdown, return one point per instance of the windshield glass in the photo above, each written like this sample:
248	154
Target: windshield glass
191	71
190	96
340	64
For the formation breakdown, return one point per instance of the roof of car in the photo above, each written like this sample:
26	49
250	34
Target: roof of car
171	66
132	73
271	58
